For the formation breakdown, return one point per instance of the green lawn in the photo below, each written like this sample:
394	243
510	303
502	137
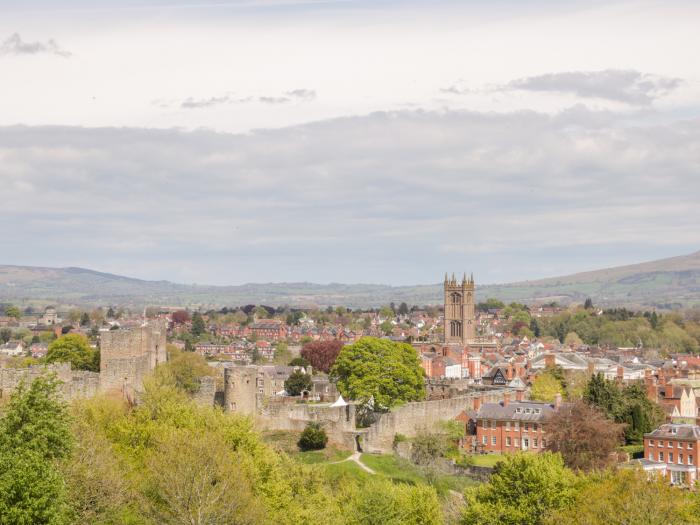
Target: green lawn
486	460
286	441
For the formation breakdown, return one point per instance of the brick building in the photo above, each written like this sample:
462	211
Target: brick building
513	426
672	451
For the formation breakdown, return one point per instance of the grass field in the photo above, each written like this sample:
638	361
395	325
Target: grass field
486	460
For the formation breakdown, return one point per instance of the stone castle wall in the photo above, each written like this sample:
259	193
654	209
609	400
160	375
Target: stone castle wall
75	383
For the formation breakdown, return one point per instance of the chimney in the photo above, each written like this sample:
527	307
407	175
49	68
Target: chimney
591	367
620	373
506	398
549	361
557	401
519	394
509	372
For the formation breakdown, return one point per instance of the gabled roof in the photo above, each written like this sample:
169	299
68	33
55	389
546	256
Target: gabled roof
516	411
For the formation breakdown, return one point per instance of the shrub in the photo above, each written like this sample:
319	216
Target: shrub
313	438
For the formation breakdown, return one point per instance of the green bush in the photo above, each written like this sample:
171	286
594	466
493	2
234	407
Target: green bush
312	438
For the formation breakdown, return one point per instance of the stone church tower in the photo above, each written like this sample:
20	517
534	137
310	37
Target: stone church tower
459	324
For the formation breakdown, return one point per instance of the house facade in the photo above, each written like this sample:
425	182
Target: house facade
672	451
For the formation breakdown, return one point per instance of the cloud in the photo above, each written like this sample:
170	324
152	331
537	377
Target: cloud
395	197
627	86
305	95
14	45
300	95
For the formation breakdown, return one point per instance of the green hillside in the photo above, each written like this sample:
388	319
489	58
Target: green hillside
666	283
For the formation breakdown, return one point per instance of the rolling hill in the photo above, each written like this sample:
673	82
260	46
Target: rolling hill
665	283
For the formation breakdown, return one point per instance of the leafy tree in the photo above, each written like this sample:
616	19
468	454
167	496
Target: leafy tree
198	327
625	497
187	369
403	309
13	311
34	433
535	327
111	314
193	478
299	361
545	387
180	317
85	319
297	383
490	304
73	349
5	335
293	318
386	312
588	304
523	490
321	355
313	437
584	437
386	372
572	339
386	327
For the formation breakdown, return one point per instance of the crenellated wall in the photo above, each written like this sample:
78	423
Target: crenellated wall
75	383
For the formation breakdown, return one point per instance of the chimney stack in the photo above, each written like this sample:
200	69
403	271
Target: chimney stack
506	398
557	401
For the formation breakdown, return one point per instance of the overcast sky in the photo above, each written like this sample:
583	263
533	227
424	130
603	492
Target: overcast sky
224	142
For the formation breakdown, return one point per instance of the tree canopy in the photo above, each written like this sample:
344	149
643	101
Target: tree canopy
381	370
321	355
74	349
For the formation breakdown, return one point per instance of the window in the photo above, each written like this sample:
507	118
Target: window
690	446
669	444
690	460
651	442
517	410
517	425
526	427
507	441
483	440
527	410
526	443
493	424
670	457
661	456
534	427
679	444
680	458
507	425
534	443
544	443
651	455
485	423
493	440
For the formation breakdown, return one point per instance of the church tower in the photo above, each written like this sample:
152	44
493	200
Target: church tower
459	324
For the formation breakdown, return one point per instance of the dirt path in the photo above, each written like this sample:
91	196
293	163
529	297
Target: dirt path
355	457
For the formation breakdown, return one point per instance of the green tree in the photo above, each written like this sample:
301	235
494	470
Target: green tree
297	383
74	349
523	490
34	434
13	311
545	387
626	497
386	327
198	327
403	309
313	437
186	368
386	372
299	361
85	319
5	335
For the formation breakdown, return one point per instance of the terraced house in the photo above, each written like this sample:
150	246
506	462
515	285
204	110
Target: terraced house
672	451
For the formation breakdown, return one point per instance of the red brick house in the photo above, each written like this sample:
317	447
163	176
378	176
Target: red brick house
672	451
513	426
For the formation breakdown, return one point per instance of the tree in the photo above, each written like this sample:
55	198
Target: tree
386	372
522	490
111	314
73	349
588	304
198	327
34	433
85	319
187	369
490	304
625	497
5	335
321	355
180	317
386	327
297	383
13	311
193	478
545	387
313	437
299	361
584	437
573	340
403	309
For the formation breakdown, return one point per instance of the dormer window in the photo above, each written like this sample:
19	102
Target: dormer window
674	430
518	410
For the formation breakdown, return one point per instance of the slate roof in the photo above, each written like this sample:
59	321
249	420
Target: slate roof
677	431
510	411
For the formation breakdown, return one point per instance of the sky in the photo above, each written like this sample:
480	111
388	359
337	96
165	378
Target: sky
225	142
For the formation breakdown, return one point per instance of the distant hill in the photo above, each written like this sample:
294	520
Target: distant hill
666	283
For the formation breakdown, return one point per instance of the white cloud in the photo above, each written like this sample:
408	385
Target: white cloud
14	45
